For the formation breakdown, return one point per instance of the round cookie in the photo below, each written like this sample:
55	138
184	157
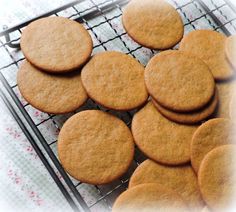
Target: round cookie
153	23
51	93
56	44
178	81
149	197
95	147
182	179
230	50
189	118
226	90
115	80
217	176
211	134
160	139
209	46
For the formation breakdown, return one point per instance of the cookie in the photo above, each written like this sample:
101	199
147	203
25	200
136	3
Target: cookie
217	176
95	147
115	80
179	81
56	44
160	139
153	23
149	197
182	179
226	90
51	93
211	134
230	50
189	118
209	46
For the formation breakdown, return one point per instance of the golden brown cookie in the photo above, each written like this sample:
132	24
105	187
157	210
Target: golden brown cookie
95	147
226	90
182	179
211	134
160	139
149	197
115	80
51	93
217	176
56	44
230	50
191	117
209	46
153	23
178	81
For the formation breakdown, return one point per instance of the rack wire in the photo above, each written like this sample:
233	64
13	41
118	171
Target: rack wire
102	18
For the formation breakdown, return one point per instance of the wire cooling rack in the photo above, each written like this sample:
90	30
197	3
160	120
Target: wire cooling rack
103	21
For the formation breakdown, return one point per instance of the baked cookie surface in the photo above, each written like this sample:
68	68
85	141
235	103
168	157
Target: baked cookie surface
51	93
149	197
153	23
56	44
179	81
209	46
115	80
217	176
95	147
181	179
160	139
211	134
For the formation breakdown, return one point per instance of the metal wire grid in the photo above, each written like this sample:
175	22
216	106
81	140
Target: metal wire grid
103	21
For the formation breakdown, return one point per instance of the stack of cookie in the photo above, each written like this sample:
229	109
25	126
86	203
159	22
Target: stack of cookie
182	86
185	87
54	48
217	51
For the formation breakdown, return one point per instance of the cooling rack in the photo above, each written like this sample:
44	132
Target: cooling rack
102	18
